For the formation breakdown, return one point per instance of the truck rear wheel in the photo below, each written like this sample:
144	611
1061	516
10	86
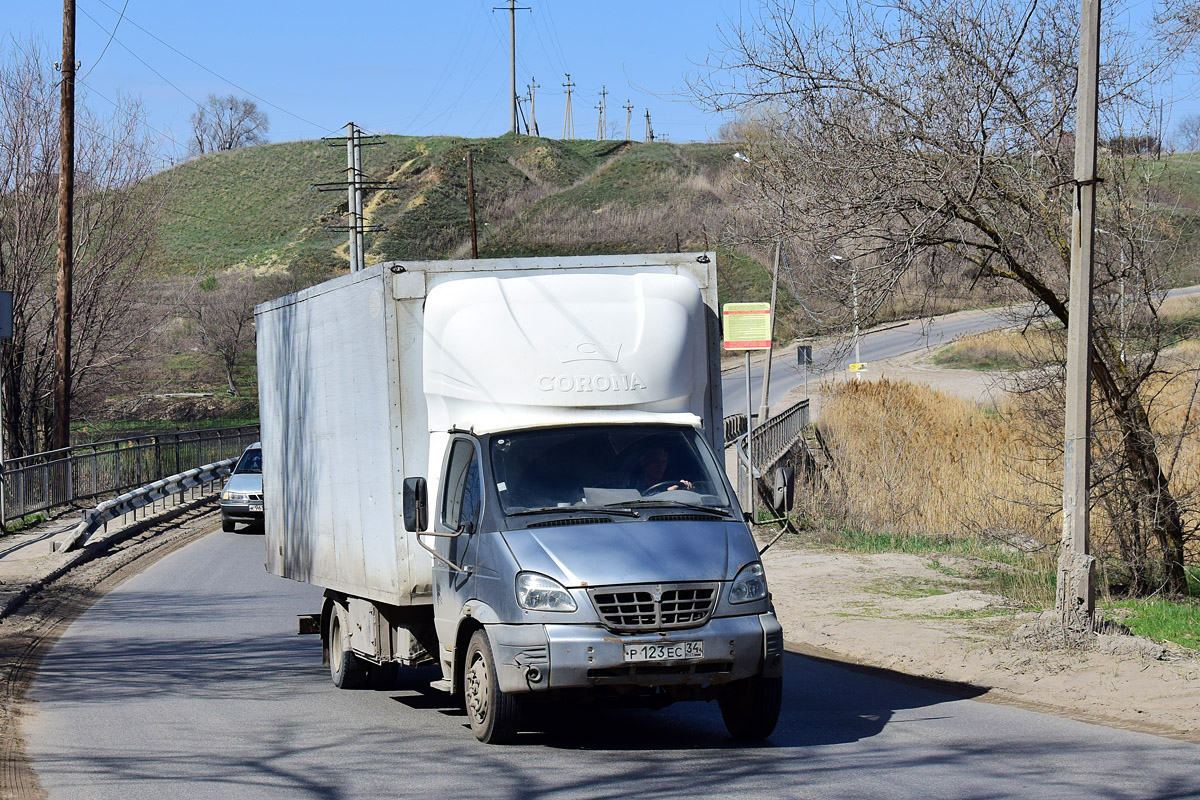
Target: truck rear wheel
347	670
750	707
493	713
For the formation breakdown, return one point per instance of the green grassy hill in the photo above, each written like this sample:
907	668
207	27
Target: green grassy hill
255	207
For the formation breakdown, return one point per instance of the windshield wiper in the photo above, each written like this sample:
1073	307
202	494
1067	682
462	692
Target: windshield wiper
718	512
621	512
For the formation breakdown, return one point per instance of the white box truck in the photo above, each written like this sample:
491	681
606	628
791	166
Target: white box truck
509	468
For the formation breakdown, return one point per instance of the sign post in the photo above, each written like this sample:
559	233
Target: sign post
747	326
803	359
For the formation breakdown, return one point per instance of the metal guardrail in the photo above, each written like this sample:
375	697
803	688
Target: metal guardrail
770	442
56	478
735	426
138	498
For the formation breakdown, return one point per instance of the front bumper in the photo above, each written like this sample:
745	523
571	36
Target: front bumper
241	512
534	658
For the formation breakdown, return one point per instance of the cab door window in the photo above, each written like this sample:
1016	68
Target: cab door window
464	486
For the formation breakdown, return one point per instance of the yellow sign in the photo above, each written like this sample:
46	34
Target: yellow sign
747	326
858	367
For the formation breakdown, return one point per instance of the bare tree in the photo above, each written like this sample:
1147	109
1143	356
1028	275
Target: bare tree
114	223
224	313
1187	133
922	130
226	123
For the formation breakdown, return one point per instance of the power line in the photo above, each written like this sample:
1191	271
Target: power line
106	44
212	72
140	59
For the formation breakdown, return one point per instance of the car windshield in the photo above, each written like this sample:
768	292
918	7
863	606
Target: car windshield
590	467
251	461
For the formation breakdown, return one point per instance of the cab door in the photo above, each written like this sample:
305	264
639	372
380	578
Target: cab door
459	513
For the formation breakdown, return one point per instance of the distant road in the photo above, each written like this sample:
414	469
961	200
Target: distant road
886	341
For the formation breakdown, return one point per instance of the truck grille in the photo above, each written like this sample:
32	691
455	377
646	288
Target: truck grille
655	607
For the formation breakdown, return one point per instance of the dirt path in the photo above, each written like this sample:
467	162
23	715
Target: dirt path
881	610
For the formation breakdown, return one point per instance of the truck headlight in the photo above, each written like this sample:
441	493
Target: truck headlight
538	593
750	584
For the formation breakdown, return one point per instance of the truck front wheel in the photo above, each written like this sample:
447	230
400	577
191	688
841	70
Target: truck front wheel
347	670
750	707
493	713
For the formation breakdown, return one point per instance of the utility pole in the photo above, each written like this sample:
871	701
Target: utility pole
649	128
600	133
356	262
359	233
568	122
533	87
1075	598
628	117
66	236
471	202
512	61
354	185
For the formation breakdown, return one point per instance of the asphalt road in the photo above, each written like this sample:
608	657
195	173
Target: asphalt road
885	342
189	681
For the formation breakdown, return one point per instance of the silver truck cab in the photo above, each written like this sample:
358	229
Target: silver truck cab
598	560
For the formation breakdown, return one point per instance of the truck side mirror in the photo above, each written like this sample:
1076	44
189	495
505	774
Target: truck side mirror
785	490
416	504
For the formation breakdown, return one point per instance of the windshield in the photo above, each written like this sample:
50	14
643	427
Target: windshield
598	466
251	461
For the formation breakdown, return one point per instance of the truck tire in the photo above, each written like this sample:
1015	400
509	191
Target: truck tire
493	713
347	670
750	707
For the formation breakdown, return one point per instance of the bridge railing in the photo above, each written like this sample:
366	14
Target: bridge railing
769	443
56	478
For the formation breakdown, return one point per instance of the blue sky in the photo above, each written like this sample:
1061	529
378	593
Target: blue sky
403	67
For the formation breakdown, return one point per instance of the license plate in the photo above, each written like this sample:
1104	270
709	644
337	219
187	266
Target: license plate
256	506
664	651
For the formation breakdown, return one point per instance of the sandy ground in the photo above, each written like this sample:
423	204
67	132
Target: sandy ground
897	612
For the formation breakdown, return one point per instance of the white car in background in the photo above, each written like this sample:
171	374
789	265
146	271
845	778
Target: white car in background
242	497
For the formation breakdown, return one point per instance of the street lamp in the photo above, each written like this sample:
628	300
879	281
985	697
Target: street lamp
766	390
854	295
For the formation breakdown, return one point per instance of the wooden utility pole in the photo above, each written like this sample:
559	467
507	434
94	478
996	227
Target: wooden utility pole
628	117
66	238
471	203
568	122
1075	598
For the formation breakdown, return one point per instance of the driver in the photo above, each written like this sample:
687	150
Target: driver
649	471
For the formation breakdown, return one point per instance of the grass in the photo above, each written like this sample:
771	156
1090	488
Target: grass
998	350
1161	620
1027	579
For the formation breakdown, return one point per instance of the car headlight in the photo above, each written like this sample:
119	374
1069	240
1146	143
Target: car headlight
750	584
237	497
538	593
